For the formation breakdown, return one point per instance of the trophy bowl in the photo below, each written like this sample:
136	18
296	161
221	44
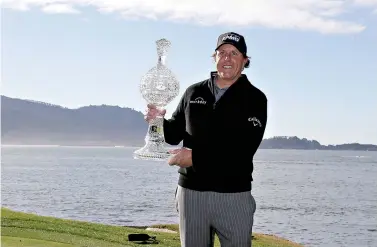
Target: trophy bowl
159	87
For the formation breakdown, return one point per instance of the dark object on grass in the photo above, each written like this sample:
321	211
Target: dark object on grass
142	238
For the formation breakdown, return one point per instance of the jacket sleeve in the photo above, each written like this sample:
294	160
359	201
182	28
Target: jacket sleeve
262	116
175	127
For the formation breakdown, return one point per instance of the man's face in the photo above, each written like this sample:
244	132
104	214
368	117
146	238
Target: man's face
229	62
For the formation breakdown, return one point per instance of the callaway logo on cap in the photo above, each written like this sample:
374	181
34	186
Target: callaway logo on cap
231	37
234	39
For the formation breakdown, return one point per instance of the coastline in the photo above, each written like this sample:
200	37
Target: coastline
9	145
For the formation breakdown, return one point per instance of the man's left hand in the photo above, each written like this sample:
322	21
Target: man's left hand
181	157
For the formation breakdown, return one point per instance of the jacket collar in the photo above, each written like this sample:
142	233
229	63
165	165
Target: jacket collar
212	81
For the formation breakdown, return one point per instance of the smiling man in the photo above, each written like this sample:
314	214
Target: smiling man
230	58
221	122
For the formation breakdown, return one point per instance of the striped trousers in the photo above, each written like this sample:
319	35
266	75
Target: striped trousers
204	213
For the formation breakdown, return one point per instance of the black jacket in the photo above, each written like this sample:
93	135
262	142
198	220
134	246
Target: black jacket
223	136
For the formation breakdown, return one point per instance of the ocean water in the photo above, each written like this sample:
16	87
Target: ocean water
317	198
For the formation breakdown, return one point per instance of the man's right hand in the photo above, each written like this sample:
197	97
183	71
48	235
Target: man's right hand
152	112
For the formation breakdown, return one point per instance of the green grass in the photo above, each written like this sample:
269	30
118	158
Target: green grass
30	230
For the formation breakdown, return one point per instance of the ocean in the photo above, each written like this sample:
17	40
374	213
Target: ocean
316	198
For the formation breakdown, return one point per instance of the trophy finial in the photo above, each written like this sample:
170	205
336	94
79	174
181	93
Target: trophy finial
163	46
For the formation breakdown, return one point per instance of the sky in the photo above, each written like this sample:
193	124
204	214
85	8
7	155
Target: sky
316	60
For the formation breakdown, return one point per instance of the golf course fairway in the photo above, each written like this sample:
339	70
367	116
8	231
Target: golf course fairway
29	230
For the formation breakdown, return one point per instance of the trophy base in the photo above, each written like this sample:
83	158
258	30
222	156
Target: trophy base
154	148
148	153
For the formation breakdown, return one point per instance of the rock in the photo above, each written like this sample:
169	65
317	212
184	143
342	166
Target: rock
160	230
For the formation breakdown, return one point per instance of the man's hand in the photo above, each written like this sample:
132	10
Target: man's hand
152	112
182	157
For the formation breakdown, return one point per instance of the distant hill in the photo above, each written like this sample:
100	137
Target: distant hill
293	142
31	122
28	122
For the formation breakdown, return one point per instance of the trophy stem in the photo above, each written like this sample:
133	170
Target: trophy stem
162	60
154	149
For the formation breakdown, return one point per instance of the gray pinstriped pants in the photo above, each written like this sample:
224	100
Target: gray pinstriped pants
204	213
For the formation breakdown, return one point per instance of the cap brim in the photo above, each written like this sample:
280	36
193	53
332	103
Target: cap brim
224	43
229	43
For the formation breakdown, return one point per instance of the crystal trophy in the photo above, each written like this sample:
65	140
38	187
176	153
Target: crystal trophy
159	87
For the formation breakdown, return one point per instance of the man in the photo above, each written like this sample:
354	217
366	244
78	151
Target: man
221	122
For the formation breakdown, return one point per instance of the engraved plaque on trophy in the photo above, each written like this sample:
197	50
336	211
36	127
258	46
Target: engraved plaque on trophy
159	87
